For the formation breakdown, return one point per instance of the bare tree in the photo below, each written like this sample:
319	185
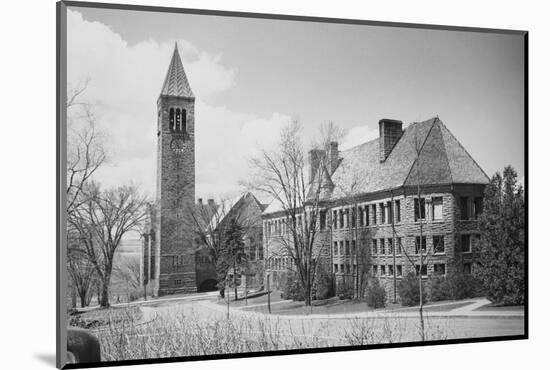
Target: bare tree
102	220
211	222
85	146
81	271
282	175
128	271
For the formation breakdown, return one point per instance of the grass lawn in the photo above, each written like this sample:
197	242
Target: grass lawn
437	307
496	307
329	306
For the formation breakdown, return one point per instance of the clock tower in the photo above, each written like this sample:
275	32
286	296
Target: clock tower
174	242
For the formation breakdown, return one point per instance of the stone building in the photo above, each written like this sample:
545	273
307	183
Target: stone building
174	261
369	212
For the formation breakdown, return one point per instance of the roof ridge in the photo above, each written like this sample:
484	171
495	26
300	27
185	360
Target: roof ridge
421	147
464	149
445	149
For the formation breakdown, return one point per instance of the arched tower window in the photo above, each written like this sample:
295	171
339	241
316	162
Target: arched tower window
172	119
178	119
184	120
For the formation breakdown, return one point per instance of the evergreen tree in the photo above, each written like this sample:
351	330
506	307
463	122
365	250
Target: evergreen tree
501	250
233	256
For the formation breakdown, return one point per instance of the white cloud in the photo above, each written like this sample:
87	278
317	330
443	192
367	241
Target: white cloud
358	135
124	85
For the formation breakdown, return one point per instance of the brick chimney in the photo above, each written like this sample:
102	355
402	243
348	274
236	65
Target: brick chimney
390	133
316	156
199	201
211	202
333	156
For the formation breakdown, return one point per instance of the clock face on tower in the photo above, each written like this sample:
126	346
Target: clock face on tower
176	145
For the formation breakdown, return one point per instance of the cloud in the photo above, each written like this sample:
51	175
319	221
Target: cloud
358	135
125	82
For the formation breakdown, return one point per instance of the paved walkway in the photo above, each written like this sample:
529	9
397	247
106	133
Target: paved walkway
464	311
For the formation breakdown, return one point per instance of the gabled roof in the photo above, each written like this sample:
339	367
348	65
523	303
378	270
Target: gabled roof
443	160
175	82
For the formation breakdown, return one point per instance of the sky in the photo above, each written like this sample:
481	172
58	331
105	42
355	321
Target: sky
252	76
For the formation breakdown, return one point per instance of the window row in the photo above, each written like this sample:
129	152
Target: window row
279	263
428	208
281	226
178	120
345	268
364	215
387	270
344	248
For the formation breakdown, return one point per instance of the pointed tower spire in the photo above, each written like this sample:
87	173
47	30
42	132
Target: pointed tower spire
175	82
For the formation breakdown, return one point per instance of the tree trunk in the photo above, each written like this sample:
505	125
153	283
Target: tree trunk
104	300
82	299
235	278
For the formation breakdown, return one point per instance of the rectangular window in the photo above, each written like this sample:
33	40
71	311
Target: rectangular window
375	269
336	268
398	270
467	268
382	246
361	217
437	208
177	282
419	209
439	244
367	218
390	270
397	211
390	246
465	243
424	270
342	268
382	213
439	269
389	212
354	269
335	248
347	269
322	219
418	244
399	246
478	207
341	248
353	247
341	219
464	214
261	253
374	214
374	247
347	247
353	216
382	270
334	219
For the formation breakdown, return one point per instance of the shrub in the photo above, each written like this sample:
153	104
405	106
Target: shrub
376	294
454	286
292	289
324	286
344	290
439	288
408	290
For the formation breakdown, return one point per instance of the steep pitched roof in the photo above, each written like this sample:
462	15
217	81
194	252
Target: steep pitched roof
443	160
175	82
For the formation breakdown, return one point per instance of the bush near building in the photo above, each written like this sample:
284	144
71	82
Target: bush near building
376	294
409	292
